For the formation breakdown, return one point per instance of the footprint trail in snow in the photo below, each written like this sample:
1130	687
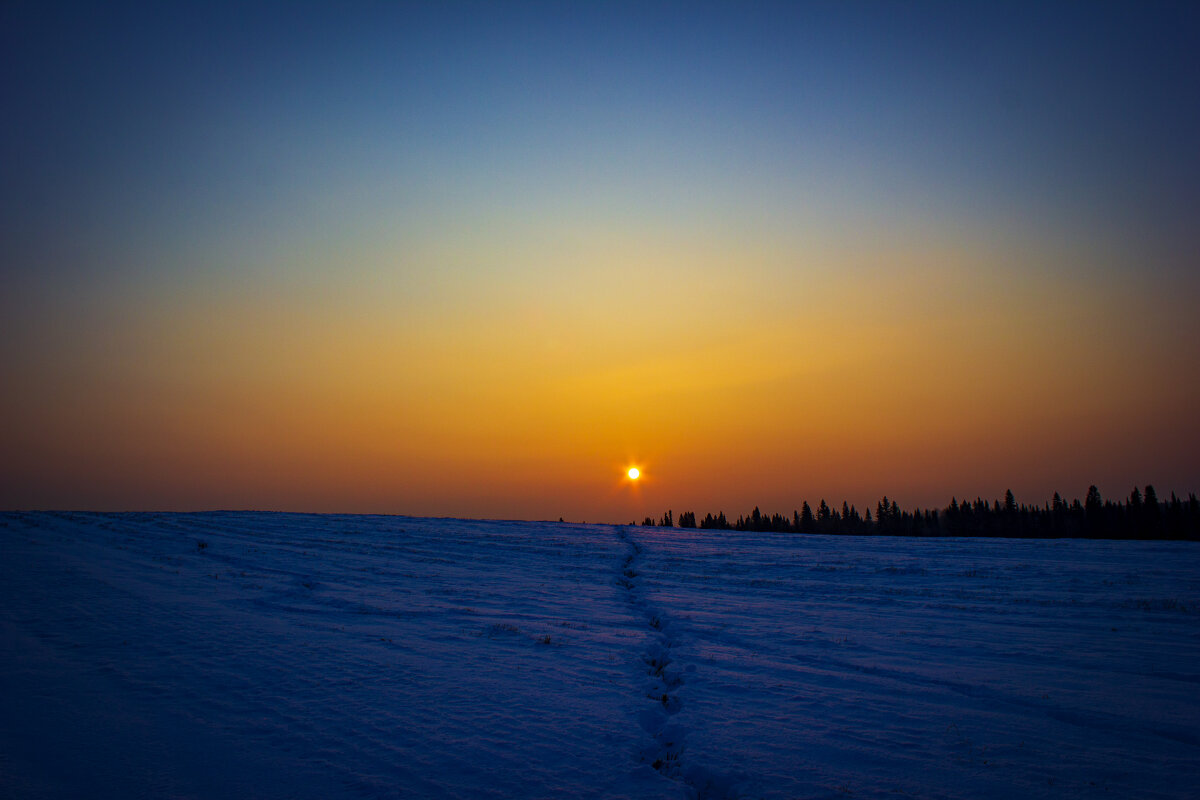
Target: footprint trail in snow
665	678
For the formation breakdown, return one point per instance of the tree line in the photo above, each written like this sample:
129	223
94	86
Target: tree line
1140	516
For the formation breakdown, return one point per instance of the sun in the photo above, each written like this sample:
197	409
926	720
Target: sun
634	473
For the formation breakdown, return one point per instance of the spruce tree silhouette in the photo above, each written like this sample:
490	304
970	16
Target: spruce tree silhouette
1152	514
1140	517
807	523
1093	509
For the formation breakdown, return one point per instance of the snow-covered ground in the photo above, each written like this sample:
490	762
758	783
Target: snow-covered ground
357	656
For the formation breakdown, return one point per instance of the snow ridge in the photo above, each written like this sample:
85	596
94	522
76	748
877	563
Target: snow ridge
661	689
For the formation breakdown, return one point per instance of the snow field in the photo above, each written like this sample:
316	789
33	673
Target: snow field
289	655
878	667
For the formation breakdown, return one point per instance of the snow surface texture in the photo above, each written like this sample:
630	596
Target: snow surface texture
287	655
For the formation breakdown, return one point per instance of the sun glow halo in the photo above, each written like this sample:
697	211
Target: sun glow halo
634	473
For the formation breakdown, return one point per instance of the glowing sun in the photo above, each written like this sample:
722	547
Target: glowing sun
634	473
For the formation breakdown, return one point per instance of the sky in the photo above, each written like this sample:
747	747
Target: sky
477	260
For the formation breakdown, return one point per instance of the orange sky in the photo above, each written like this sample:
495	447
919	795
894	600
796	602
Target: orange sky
919	373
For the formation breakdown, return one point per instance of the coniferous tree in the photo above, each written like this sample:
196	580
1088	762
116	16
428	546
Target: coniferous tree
807	523
1093	508
854	523
1137	517
1153	514
1151	500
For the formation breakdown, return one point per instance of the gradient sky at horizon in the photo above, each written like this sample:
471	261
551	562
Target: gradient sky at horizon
477	260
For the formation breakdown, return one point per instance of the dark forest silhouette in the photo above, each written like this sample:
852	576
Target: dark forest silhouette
1140	516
